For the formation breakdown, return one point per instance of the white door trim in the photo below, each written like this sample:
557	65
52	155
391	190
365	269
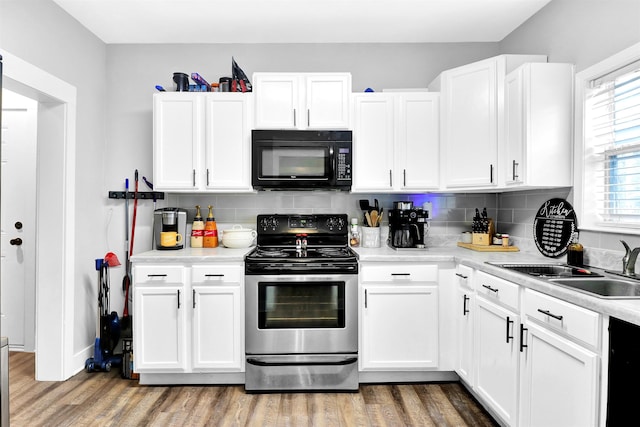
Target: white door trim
55	254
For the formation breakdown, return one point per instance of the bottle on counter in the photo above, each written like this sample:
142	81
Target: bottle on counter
210	231
197	230
354	233
575	253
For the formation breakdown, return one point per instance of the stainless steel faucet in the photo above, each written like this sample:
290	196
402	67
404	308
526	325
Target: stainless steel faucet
629	260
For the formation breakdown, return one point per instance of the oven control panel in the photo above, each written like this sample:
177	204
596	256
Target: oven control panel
316	223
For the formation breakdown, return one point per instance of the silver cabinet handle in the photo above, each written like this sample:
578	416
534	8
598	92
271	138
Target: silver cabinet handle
194	178
308	117
207	177
294	117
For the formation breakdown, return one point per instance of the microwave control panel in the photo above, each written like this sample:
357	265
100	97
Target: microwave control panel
343	172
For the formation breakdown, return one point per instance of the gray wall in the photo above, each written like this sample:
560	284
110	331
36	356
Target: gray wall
43	35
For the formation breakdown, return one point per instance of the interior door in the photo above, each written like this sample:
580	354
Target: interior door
18	219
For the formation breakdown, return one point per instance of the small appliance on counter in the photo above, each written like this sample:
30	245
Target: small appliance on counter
407	226
169	228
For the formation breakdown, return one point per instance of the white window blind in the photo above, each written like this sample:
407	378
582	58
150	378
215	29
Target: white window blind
612	149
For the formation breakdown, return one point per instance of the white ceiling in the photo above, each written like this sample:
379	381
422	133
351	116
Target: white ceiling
300	21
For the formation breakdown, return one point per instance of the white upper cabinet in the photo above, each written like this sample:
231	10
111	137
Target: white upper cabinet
373	137
417	161
538	126
302	100
202	141
178	135
396	141
228	142
472	106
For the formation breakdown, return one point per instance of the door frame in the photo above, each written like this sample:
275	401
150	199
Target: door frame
55	211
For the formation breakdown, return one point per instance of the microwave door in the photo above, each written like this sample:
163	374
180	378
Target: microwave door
294	162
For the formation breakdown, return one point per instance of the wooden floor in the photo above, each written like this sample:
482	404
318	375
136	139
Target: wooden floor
104	399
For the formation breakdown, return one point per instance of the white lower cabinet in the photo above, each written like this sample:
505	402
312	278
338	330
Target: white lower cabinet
159	328
217	322
398	317
536	358
559	377
465	312
497	358
188	319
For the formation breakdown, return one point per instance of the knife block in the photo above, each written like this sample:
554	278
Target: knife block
484	239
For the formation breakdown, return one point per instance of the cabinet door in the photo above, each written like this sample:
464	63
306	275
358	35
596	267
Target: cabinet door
497	355
373	134
178	133
514	129
470	125
465	310
417	151
159	324
277	101
399	327
327	101
217	328
228	142
538	119
559	381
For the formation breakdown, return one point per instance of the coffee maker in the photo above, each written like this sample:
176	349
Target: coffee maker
407	226
169	220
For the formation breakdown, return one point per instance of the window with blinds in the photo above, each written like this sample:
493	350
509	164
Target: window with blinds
612	149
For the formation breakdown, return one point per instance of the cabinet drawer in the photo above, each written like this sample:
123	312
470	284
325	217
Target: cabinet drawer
212	274
563	316
497	289
158	274
399	272
464	275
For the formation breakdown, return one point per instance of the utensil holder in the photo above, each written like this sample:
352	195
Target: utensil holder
370	237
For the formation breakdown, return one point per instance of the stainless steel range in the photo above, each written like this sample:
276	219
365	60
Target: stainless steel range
301	305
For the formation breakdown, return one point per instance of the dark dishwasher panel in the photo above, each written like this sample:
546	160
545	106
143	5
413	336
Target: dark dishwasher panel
624	373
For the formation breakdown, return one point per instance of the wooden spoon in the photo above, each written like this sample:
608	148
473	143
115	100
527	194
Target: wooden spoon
374	218
368	218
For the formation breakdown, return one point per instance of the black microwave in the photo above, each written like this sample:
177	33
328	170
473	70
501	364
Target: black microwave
301	159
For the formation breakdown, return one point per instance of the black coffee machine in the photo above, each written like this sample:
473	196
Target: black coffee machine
407	226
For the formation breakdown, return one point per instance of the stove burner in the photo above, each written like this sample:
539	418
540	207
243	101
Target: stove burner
331	251
271	252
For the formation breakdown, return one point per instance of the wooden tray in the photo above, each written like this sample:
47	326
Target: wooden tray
490	248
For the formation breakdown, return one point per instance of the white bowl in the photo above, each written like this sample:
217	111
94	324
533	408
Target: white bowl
238	237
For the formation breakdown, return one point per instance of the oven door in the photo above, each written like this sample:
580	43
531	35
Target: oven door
301	314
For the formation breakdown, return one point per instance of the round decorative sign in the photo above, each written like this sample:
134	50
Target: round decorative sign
554	227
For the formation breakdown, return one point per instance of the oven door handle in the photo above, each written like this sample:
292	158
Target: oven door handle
309	362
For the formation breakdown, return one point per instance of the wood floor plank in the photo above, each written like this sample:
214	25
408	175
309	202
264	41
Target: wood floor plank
293	411
105	399
352	410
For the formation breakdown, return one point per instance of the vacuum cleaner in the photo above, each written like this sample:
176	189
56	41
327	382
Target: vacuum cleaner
108	334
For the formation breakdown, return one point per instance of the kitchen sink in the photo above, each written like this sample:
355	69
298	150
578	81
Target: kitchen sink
602	287
548	270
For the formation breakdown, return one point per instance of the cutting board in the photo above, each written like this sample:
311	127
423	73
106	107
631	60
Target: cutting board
489	248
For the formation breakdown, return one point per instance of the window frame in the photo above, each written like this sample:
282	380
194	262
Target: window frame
585	207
